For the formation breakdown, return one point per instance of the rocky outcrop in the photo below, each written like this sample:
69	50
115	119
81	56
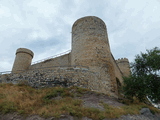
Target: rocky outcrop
145	115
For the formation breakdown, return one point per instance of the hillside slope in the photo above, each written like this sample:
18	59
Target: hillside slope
21	102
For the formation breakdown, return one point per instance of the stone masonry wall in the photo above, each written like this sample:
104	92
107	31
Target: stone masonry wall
118	72
58	76
123	64
63	60
23	60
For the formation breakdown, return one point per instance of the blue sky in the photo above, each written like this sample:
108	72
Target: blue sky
44	26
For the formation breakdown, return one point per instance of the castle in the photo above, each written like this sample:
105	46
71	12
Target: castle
90	64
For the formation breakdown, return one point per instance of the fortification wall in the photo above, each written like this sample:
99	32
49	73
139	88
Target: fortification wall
57	76
118	73
64	60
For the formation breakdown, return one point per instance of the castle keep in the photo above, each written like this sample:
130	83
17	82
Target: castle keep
90	64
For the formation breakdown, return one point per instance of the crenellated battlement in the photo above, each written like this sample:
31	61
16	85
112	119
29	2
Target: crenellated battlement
123	64
120	60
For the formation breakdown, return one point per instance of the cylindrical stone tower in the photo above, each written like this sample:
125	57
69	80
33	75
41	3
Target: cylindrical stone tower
23	60
123	64
90	47
89	41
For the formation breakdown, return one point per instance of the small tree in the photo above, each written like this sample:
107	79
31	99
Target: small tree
145	77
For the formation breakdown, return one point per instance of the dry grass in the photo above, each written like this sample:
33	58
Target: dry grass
26	100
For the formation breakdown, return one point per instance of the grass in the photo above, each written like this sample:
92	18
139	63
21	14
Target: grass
56	101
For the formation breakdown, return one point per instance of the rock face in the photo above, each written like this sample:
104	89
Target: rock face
145	115
90	48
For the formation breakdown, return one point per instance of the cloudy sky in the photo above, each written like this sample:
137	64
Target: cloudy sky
44	26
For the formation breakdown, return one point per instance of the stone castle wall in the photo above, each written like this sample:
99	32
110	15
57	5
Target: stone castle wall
118	72
56	76
64	60
90	48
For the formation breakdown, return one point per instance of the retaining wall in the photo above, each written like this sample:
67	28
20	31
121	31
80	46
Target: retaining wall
59	76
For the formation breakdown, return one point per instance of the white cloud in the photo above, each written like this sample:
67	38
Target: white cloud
45	8
4	12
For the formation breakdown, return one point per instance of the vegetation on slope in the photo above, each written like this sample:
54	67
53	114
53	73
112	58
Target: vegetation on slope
57	101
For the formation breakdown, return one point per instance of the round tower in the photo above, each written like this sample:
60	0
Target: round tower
90	47
89	42
123	64
23	60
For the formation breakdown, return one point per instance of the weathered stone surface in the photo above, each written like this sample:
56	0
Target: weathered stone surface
23	60
60	76
123	64
15	116
63	60
146	112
